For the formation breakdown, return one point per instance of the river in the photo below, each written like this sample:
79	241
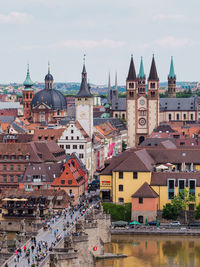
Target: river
153	251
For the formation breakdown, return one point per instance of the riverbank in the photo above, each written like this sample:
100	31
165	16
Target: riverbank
157	231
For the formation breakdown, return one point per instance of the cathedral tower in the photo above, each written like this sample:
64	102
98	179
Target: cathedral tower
84	105
131	96
27	95
153	98
171	81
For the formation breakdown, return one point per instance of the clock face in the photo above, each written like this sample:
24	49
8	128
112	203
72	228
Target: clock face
142	102
142	121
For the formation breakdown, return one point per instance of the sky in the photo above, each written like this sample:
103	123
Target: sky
107	31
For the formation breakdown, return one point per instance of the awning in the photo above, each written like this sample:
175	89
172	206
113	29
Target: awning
50	197
59	197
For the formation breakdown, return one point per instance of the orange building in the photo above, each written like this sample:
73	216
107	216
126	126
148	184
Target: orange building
144	204
73	179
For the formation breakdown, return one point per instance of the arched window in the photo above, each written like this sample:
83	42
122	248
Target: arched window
170	117
177	117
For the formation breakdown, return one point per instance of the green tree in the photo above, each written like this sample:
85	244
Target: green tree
182	201
197	212
170	212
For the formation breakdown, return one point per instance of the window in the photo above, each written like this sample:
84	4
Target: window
18	178
74	146
81	147
12	167
11	178
121	187
135	175
72	131
191	117
171	185
61	146
27	157
140	219
131	85
4	167
69	181
67	146
70	191
153	85
77	137
116	115
153	94
121	200
131	94
5	157
192	187
13	157
20	157
121	175
72	138
170	117
123	116
66	137
184	116
181	186
140	200
5	178
81	156
177	117
62	181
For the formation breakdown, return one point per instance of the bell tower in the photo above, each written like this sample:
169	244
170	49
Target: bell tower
153	98
84	105
28	94
171	81
131	97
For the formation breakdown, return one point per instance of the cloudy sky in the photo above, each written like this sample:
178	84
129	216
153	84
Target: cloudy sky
107	31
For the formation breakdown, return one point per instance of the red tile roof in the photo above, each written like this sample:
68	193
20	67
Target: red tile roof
145	191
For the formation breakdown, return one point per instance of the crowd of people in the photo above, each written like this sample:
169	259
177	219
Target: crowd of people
39	249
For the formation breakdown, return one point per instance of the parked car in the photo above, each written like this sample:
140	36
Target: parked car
153	223
194	224
176	223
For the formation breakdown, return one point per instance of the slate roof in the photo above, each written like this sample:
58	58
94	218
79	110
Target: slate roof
7	119
119	104
164	128
178	104
131	73
160	178
9	105
84	89
153	76
145	191
155	141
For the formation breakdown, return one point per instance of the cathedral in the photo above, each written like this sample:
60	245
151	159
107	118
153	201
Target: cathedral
142	108
47	105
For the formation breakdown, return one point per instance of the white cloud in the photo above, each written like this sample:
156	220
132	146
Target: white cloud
172	42
15	17
91	43
164	17
80	44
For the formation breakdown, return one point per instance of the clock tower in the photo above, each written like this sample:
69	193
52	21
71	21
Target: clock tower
84	105
142	107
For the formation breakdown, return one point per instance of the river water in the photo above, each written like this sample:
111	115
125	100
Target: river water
153	251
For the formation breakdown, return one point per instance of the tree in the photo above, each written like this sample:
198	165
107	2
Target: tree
197	212
182	201
170	212
179	203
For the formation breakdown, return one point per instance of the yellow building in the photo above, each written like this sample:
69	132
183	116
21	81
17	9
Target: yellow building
166	168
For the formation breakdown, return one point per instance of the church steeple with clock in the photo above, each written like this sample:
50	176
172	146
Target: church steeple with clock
142	107
84	105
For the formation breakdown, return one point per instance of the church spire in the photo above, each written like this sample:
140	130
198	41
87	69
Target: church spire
28	82
153	76
109	89
116	85
141	71
171	71
84	90
131	73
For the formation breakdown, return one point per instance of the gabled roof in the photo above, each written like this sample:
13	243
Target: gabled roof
153	76
145	191
178	104
131	72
